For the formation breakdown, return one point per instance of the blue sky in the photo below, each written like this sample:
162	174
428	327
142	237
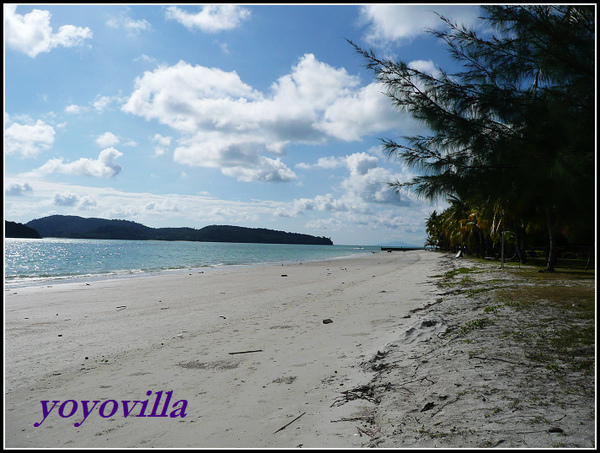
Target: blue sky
191	115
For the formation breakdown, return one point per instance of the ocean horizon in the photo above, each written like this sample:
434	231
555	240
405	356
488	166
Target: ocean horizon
33	262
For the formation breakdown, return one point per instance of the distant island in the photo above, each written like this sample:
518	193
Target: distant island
75	227
18	230
400	245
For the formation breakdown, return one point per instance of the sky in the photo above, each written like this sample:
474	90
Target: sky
261	116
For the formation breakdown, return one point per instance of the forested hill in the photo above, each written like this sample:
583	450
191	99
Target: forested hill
94	228
18	230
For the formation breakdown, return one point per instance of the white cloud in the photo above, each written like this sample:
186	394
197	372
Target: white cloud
161	144
367	182
18	189
28	140
366	111
211	18
426	67
402	23
145	58
32	34
361	163
265	170
330	162
87	202
163	206
127	23
103	167
107	140
321	203
65	199
74	109
227	124
102	103
162	141
363	190
73	200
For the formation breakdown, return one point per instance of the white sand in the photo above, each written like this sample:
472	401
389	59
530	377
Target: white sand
176	333
300	386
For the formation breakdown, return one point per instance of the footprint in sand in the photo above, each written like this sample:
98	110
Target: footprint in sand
424	329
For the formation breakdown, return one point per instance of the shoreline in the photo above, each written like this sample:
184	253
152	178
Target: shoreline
24	282
292	356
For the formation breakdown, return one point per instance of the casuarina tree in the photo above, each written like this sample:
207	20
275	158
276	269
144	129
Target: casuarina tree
514	127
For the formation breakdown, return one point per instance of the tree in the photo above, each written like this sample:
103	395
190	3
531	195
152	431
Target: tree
515	127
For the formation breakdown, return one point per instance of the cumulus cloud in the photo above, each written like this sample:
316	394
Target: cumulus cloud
32	34
320	203
368	182
366	111
87	202
73	200
103	167
107	139
227	124
402	23
65	199
264	169
18	189
211	18
28	140
365	186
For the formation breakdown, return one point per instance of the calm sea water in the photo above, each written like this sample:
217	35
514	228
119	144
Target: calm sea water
40	261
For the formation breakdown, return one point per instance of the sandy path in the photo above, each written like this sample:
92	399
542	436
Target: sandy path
118	339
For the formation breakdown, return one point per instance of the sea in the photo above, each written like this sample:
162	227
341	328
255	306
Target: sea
32	262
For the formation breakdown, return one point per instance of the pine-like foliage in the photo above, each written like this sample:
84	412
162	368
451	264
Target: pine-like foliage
515	127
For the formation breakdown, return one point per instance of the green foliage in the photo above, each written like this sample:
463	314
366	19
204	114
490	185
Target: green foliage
512	138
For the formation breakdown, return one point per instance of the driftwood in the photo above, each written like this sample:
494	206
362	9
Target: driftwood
288	424
245	352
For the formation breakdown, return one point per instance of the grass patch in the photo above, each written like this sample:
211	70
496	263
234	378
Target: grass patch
461	270
448	277
565	326
492	308
475	324
578	300
563	265
555	311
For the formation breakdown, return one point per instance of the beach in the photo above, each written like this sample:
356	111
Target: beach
304	355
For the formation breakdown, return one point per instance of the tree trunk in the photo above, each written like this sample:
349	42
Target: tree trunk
502	253
520	243
552	236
